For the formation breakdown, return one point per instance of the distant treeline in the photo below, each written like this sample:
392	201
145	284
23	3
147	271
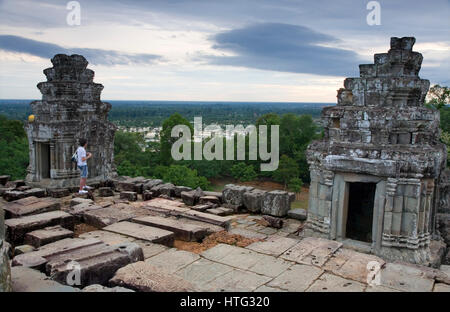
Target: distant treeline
152	113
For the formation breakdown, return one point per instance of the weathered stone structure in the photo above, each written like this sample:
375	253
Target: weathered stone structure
70	109
5	270
375	173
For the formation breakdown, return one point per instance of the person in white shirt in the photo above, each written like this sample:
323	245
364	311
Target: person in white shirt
82	157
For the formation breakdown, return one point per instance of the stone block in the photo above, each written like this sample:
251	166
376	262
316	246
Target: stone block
332	283
58	192
112	214
147	195
312	251
3	190
130	196
36	192
4	179
142	232
105	192
299	214
47	235
126	186
201	272
29	280
216	194
274	222
353	265
78	211
17	228
289	280
237	280
29	206
253	200
275	245
209	199
201	208
220	211
188	198
100	288
144	277
405	278
172	260
233	195
182	230
163	189
178	189
19	250
77	201
152	183
13	195
15	184
276	203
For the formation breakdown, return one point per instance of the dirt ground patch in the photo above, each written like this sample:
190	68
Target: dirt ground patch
83	228
222	237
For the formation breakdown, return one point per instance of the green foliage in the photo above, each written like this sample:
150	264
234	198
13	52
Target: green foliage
295	185
243	172
438	96
14	153
133	157
182	175
287	170
166	138
445	118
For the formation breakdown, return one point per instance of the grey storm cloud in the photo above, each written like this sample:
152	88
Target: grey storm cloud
94	56
285	48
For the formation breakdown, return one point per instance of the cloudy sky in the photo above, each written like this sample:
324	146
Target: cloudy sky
216	50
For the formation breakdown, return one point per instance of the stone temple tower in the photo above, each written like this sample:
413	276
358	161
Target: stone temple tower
374	174
70	109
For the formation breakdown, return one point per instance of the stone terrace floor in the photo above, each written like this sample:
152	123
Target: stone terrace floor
279	261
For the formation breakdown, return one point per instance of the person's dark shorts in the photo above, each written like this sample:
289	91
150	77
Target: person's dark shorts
84	171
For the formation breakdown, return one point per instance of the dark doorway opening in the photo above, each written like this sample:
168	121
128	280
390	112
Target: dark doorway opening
44	160
360	211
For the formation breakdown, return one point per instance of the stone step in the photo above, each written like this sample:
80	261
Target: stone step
220	211
95	261
17	228
142	276
142	232
182	230
29	206
112	214
38	258
25	192
178	209
28	280
47	235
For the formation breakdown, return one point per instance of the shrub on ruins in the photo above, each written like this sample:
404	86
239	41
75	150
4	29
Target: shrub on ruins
181	175
295	185
438	96
13	148
287	170
166	139
243	172
133	156
296	132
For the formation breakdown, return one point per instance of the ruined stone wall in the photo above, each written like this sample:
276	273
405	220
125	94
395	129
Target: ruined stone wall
380	132
70	109
5	270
